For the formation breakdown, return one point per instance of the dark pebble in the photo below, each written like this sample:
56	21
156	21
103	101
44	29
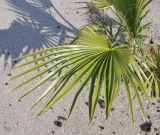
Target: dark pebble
112	109
86	103
151	41
61	118
52	132
10	104
101	103
158	110
9	74
58	27
148	117
6	83
146	127
64	110
58	123
153	103
155	129
101	127
19	100
77	12
113	132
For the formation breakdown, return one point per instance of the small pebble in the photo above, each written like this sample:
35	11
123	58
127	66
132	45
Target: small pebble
19	100
58	123
155	129
6	83
52	132
101	103
101	127
9	74
148	117
146	127
86	103
58	27
10	104
153	103
158	110
112	109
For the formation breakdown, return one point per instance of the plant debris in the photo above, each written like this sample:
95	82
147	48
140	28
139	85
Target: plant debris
61	118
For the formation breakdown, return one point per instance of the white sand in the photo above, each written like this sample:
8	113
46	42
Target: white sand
33	29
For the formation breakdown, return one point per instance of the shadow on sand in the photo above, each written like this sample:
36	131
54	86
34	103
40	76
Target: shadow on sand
36	29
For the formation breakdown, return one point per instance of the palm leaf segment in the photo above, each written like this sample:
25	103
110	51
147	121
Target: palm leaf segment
101	3
91	61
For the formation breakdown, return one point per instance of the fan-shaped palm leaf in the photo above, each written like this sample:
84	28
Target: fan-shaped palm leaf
93	60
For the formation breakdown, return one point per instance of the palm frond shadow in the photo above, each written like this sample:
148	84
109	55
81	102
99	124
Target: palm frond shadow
34	30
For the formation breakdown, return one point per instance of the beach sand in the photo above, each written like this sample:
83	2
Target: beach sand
30	25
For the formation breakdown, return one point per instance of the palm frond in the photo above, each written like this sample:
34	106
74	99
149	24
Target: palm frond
131	13
94	61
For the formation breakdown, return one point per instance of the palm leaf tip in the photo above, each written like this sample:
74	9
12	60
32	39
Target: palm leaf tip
101	3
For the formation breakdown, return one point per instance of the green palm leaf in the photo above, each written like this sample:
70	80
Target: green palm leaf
131	13
94	61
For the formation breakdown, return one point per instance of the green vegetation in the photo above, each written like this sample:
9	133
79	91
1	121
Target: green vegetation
100	59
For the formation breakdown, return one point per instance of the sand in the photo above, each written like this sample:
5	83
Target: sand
30	25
